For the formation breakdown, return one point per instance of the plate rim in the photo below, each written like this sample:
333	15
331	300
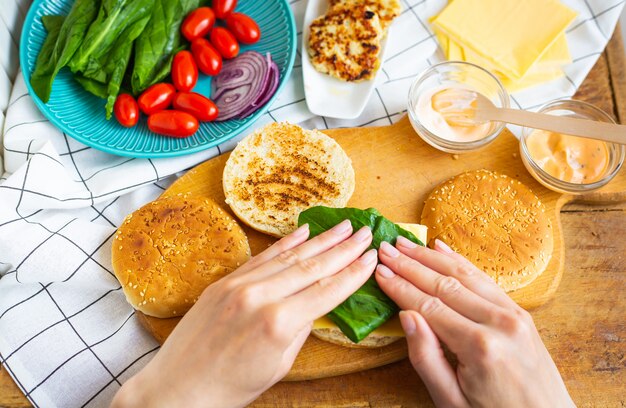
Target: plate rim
42	107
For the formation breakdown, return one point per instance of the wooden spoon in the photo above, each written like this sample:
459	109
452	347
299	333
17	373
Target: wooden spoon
463	107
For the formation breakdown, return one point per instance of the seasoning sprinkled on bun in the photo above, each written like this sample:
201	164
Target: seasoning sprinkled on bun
281	170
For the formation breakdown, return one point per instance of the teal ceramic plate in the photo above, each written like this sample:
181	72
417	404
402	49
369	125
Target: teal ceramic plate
81	115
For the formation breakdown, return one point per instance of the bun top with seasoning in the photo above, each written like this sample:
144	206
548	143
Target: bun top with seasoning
281	170
496	222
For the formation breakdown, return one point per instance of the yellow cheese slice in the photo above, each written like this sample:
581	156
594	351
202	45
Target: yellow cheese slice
532	79
538	73
442	39
498	30
391	327
546	69
558	53
420	231
457	53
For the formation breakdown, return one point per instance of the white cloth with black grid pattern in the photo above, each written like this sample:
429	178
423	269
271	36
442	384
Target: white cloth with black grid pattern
67	335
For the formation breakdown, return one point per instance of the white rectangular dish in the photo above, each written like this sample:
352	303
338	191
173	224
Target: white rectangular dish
326	95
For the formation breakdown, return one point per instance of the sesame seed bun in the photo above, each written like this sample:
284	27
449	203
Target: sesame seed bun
281	170
167	252
494	221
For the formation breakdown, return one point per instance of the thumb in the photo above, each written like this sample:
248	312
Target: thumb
430	363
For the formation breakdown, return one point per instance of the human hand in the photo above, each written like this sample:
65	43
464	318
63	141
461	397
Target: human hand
502	361
245	331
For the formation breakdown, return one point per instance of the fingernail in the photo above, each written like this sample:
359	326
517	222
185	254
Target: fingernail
303	230
388	249
362	234
385	272
369	257
341	228
407	322
403	242
443	247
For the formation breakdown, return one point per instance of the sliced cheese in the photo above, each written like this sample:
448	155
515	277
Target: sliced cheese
546	69
420	231
558	53
498	30
542	71
391	327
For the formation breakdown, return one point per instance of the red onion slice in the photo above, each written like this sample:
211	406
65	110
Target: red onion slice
238	71
239	84
244	84
272	85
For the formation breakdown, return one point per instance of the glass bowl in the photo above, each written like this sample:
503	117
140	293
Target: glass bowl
456	74
576	109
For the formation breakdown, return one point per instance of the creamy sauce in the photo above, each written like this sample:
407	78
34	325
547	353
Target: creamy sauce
437	124
569	158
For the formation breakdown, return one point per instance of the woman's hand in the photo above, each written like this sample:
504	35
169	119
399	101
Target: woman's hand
502	361
243	334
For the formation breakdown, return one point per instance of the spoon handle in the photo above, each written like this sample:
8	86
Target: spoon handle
608	132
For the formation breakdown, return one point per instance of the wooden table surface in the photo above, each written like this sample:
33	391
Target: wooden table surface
584	326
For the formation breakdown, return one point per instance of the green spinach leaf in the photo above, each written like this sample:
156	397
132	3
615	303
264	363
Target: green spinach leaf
322	218
44	59
90	85
56	54
117	20
157	44
116	68
106	51
368	307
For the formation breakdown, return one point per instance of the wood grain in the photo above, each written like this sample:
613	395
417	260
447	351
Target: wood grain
617	73
398	162
583	326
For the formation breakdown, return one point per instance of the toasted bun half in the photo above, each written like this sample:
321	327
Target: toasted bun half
335	336
167	252
494	221
280	170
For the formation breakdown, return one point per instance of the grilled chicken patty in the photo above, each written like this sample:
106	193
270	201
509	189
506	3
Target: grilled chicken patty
386	10
345	42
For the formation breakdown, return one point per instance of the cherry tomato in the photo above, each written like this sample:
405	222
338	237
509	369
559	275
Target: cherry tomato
208	60
173	123
198	105
224	42
156	98
244	28
184	71
223	8
198	23
126	110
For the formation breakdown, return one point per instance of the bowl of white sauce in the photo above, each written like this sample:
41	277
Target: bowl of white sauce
436	88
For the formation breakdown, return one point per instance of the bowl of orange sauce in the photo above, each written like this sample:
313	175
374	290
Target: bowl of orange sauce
570	164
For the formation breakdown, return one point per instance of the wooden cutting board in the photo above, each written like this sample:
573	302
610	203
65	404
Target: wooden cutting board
395	172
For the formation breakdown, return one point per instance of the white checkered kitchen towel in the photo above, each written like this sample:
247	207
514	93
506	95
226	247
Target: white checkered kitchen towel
67	336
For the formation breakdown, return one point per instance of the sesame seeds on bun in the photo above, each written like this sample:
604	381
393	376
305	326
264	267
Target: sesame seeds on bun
166	253
496	222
